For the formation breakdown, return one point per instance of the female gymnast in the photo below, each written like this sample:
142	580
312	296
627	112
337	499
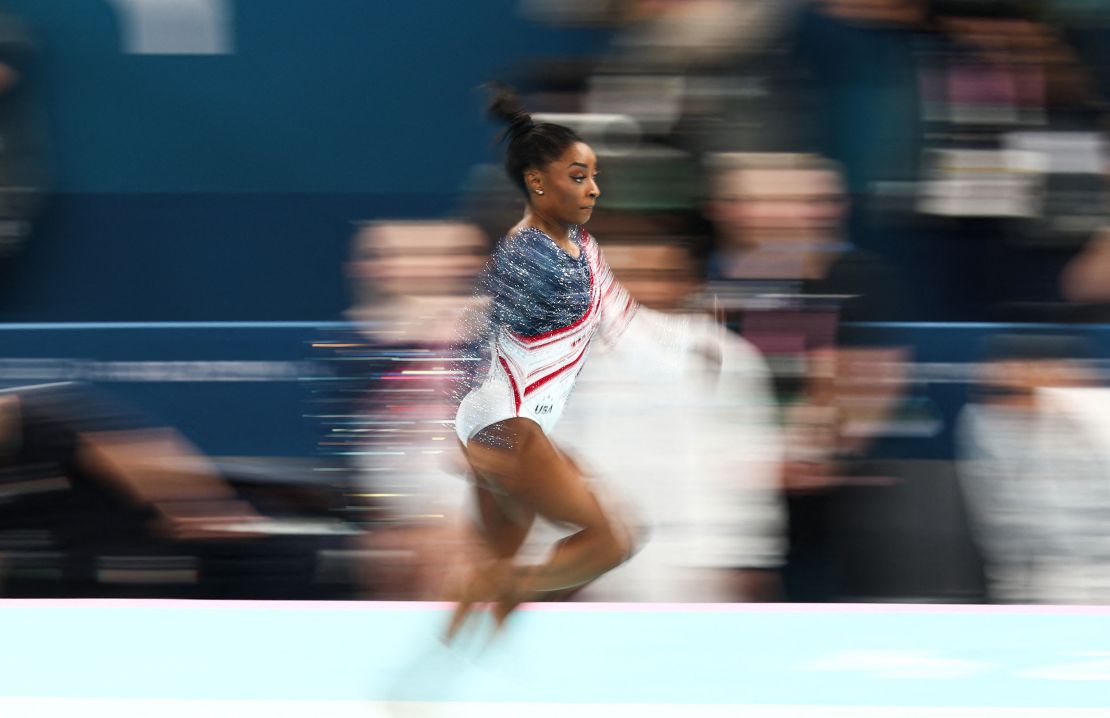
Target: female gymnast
551	294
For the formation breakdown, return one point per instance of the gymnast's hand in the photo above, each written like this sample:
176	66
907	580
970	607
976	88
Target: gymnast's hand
492	582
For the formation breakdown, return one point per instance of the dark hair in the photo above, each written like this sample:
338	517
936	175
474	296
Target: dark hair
531	144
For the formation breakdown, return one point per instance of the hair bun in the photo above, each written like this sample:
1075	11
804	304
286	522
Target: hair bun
507	108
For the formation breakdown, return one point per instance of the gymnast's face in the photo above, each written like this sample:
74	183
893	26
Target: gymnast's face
569	186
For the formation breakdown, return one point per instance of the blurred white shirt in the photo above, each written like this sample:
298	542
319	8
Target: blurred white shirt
1037	484
678	422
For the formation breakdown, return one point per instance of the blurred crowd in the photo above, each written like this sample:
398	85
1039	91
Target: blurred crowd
796	180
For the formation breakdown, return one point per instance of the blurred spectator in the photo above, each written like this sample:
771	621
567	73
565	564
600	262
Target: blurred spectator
691	35
1082	289
410	280
903	12
959	125
1012	156
23	147
1034	471
96	499
782	266
1086	281
787	278
660	274
710	500
1086	23
1006	65
791	284
391	402
706	75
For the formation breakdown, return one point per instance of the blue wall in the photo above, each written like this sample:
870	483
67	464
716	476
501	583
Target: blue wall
222	187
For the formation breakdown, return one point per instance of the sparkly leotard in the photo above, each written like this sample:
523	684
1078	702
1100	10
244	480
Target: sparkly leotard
547	307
